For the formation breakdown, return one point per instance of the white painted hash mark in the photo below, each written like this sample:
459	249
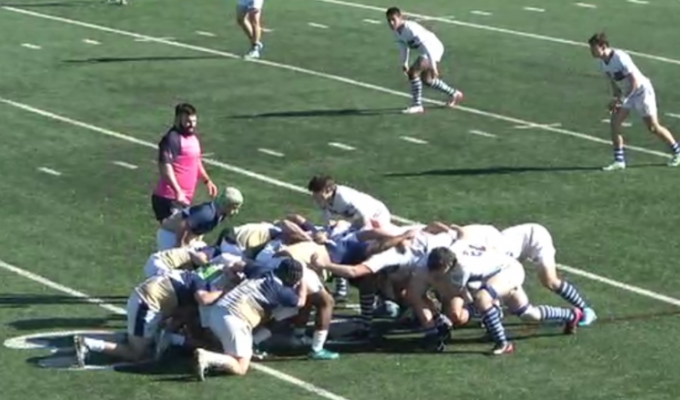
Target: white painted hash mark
413	140
150	39
482	133
125	165
534	9
643	2
315	25
267	30
532	126
625	124
341	146
672	115
270	152
31	46
372	21
204	33
49	171
478	12
585	5
90	41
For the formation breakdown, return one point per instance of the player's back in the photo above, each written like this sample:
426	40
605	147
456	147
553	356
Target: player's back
177	258
414	35
164	293
253	299
486	236
347	201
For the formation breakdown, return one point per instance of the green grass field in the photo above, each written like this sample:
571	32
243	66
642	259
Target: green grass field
77	107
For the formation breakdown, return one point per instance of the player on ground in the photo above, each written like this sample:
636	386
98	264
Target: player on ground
363	210
411	35
150	303
182	228
249	18
235	314
631	90
452	269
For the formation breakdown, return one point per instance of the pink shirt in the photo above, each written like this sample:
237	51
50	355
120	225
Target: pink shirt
184	154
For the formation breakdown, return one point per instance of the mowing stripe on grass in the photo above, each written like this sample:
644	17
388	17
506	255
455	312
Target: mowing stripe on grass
299	189
337	78
120	311
495	29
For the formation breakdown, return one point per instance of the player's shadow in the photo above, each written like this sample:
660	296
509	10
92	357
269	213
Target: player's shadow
501	170
20	300
104	60
49	4
59	323
342	112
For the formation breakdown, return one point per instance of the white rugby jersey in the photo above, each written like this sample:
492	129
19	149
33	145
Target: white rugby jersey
475	264
619	66
353	205
413	36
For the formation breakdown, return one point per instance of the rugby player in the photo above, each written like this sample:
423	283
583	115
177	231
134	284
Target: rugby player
361	209
410	35
631	90
249	18
234	315
452	268
154	300
182	228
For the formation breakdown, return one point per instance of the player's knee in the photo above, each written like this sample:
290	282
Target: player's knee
528	313
484	298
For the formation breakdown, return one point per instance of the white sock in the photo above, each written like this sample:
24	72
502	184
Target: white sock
318	340
97	345
261	335
215	359
177	340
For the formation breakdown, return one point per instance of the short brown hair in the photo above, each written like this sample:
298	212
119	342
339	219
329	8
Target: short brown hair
599	39
184	109
441	259
319	183
392	11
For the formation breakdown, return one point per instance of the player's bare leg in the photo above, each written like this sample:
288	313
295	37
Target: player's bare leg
414	73
431	79
205	359
133	350
250	21
653	125
618	116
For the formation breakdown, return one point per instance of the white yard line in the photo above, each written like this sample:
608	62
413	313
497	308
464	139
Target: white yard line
302	190
413	140
672	115
270	152
49	171
120	311
341	146
125	164
495	29
534	126
337	78
482	133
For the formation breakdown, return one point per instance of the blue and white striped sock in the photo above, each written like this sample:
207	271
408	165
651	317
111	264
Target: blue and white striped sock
491	319
675	148
341	286
569	293
442	86
417	92
366	302
550	313
618	155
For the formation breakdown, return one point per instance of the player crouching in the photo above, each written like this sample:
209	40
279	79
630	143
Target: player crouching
412	35
234	316
501	278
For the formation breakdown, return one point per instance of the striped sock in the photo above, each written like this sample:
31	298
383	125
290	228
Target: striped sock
675	148
491	319
417	91
442	87
366	307
550	313
618	155
569	293
341	286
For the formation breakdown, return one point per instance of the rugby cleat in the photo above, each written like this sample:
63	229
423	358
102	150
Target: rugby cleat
323	354
162	343
259	354
200	364
570	327
615	166
502	348
588	318
455	99
675	161
416	109
81	350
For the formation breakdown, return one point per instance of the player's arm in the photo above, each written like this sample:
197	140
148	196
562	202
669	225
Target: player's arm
206	297
292	297
403	55
168	150
190	226
415	292
294	232
344	271
394	241
203	175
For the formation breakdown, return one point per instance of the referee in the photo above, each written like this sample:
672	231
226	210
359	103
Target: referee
180	165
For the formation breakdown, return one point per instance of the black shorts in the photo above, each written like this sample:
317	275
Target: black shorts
163	207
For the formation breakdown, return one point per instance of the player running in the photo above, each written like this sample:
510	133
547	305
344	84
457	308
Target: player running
249	18
631	90
411	35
